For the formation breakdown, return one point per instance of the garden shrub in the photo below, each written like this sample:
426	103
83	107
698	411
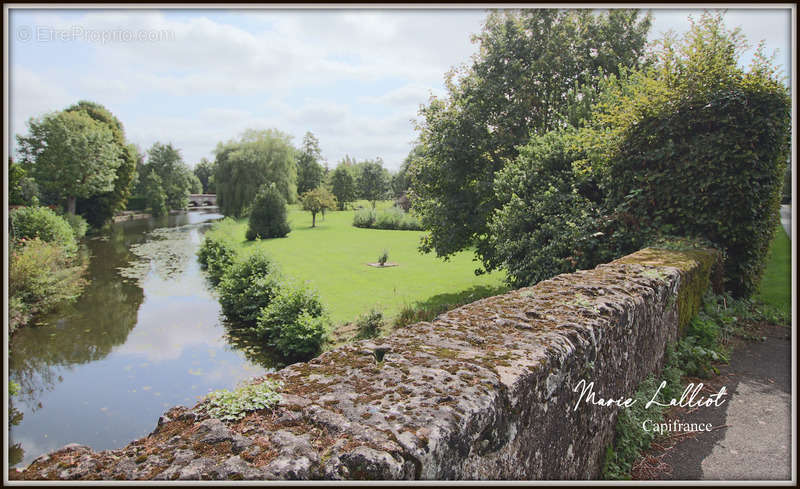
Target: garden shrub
713	166
247	287
369	325
233	405
364	218
295	323
216	255
268	215
43	223
78	224
545	224
392	218
40	276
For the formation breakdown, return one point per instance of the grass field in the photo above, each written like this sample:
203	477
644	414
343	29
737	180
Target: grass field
776	285
332	258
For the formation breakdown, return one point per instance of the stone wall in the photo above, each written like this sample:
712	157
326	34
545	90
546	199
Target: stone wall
485	391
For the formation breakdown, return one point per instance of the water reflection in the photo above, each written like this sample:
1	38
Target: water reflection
145	335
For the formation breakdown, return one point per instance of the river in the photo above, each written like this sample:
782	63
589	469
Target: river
145	335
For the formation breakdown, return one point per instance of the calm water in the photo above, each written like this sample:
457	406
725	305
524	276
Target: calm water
145	335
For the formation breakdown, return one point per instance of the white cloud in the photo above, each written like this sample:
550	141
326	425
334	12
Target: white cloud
355	78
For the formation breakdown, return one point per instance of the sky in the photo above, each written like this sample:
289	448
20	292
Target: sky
197	77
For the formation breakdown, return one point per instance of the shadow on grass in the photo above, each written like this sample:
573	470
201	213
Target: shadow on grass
428	309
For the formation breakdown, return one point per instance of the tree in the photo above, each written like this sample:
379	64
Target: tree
268	217
22	189
72	155
309	171
372	182
317	200
343	185
400	180
98	209
205	173
154	195
176	178
243	166
532	67
692	148
195	185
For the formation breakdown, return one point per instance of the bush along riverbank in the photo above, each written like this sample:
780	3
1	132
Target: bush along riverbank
256	296
46	264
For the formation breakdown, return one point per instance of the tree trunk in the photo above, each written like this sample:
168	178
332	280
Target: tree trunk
71	205
313	219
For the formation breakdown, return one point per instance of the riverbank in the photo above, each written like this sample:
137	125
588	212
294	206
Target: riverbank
145	335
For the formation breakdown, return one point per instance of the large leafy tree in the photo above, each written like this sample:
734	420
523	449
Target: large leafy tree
343	185
205	173
536	70
309	170
72	156
176	179
373	180
99	208
243	166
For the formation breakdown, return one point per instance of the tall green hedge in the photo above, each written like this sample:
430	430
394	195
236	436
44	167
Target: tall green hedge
713	167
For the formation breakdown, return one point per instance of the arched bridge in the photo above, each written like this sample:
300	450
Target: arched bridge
200	200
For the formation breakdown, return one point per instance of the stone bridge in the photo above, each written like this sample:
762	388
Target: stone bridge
200	200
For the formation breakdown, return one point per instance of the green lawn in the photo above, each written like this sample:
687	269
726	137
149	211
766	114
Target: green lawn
333	257
776	285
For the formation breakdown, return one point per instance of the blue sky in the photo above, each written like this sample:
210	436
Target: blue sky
355	78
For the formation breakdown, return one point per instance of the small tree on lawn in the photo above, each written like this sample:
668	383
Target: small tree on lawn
268	217
317	200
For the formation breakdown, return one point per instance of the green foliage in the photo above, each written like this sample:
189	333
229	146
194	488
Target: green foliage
693	147
137	203
630	440
268	215
204	171
234	405
78	224
41	275
536	71
13	388
369	325
317	200
546	220
72	155
343	185
174	177
372	181
216	255
22	188
309	170
383	258
98	209
696	147
364	218
153	192
392	218
41	222
295	323
248	286
243	166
